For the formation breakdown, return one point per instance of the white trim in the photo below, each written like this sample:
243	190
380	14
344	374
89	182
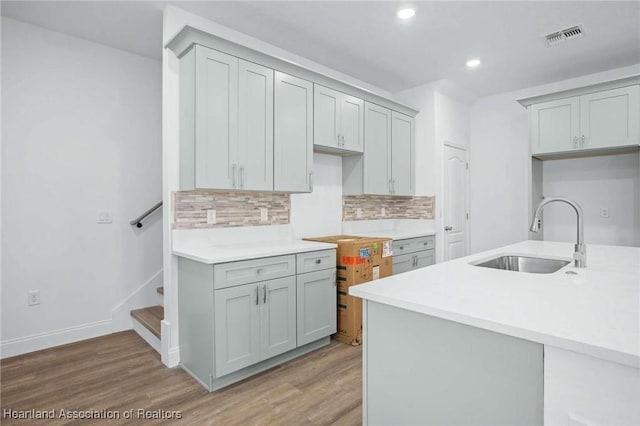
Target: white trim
148	336
466	149
39	341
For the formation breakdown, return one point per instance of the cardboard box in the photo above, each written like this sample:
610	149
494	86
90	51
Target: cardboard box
349	318
359	260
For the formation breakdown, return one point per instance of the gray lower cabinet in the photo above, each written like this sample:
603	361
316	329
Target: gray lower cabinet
239	318
413	253
317	303
254	322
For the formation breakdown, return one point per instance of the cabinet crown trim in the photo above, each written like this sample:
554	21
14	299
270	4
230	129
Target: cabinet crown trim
613	84
188	36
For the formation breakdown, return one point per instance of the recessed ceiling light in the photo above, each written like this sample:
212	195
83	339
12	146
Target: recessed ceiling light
473	63
406	13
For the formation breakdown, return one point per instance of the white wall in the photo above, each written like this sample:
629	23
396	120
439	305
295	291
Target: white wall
80	132
500	162
320	212
609	181
444	117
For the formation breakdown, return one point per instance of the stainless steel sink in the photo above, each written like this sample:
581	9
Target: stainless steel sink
533	265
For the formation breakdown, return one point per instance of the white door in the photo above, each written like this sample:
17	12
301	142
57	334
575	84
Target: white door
456	202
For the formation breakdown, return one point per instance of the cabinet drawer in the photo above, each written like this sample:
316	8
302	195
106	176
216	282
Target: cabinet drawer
249	271
315	261
412	245
410	261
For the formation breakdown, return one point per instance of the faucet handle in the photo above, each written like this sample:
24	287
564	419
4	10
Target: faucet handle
580	255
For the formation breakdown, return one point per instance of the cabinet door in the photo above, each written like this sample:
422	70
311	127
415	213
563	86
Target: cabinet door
425	258
402	161
293	129
237	336
255	131
610	118
317	305
555	126
277	316
403	263
377	155
216	135
352	123
326	116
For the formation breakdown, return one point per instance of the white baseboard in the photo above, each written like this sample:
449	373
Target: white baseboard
36	342
144	295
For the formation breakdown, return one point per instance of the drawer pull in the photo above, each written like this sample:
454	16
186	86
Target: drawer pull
318	261
259	271
257	295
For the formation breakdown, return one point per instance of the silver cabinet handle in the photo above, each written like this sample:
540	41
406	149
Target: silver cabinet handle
415	261
318	261
233	175
241	176
333	278
259	271
311	181
342	137
575	142
257	294
448	228
264	295
584	141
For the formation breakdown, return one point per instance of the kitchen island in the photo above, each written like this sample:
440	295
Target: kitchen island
464	344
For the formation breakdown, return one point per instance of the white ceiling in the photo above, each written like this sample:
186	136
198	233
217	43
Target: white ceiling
366	40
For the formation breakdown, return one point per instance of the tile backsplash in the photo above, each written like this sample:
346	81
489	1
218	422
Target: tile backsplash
232	209
395	207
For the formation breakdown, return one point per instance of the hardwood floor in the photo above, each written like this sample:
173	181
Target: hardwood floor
120	372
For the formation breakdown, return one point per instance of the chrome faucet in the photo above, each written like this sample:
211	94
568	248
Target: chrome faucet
580	252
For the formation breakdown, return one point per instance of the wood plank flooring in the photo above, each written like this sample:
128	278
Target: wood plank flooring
120	372
151	318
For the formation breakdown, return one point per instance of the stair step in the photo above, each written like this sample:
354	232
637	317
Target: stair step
150	317
160	290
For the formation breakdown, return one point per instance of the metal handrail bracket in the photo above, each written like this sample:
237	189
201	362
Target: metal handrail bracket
138	221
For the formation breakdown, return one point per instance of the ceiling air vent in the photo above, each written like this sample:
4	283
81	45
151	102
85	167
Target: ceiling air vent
562	35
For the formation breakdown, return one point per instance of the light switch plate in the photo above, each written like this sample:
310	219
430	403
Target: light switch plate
604	212
104	216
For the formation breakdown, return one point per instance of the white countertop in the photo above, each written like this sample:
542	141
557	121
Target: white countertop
394	234
396	229
595	312
231	252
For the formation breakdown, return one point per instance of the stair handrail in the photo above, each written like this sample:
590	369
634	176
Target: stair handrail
138	221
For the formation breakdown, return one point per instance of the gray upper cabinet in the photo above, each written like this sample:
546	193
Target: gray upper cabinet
387	166
293	134
255	132
226	127
402	157
338	121
593	121
377	167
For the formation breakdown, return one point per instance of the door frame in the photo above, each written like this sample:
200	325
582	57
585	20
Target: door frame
465	148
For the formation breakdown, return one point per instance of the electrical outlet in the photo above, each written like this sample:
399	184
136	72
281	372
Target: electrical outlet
604	212
104	216
359	213
33	297
383	211
264	214
211	217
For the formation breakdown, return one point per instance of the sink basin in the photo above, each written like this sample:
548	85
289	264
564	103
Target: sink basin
533	265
